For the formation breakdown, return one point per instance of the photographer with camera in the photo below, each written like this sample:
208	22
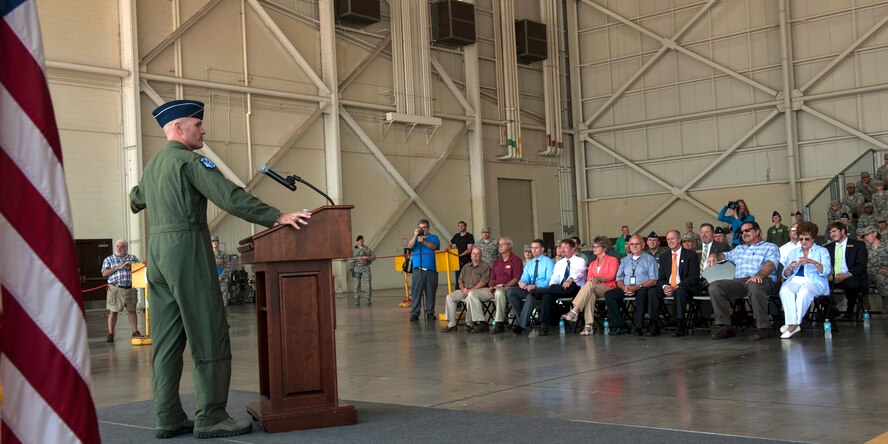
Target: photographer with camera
740	217
425	275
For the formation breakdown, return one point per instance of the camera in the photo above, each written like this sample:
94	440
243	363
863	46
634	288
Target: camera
421	232
732	205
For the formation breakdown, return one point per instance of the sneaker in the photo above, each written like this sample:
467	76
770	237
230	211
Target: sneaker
166	432
227	428
431	317
110	337
137	334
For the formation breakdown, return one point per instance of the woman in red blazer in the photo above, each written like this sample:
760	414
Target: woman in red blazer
599	279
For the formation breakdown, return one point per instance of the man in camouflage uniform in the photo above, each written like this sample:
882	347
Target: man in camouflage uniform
882	172
877	267
186	301
361	260
689	232
488	247
835	210
880	200
222	269
869	218
865	186
882	226
853	200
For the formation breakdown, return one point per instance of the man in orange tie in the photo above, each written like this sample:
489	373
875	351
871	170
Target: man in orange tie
679	277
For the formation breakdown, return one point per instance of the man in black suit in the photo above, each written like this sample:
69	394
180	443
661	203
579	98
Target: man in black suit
681	280
849	271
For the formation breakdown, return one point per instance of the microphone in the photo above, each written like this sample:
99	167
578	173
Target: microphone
277	177
290	182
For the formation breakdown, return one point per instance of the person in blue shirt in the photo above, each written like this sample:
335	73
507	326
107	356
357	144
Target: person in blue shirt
740	217
636	276
537	273
422	246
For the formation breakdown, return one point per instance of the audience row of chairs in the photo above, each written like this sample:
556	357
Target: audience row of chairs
698	316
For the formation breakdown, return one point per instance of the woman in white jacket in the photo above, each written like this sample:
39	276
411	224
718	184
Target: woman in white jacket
804	270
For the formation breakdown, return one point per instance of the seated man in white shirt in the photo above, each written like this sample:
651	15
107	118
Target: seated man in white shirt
792	244
568	276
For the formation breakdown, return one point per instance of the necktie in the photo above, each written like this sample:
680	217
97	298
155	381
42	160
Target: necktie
705	257
673	279
566	271
840	258
536	268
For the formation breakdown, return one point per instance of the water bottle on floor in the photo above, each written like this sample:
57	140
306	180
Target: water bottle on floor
866	319
827	330
561	327
607	330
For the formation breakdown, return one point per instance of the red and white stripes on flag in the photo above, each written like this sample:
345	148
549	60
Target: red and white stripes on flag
44	358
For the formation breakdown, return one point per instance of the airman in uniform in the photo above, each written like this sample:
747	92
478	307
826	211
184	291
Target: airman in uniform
361	260
186	301
880	200
869	218
488	247
222	269
689	231
835	210
877	266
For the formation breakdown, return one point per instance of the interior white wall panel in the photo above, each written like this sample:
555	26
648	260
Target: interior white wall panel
653	125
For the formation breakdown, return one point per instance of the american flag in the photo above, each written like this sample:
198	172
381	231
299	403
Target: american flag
44	357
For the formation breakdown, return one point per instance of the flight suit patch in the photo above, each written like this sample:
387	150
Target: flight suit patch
208	163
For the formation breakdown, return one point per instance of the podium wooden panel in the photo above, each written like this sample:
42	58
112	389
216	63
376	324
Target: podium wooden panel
297	321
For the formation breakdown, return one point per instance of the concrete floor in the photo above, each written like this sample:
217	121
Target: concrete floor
803	389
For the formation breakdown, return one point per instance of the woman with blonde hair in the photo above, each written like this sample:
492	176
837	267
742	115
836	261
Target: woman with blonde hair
599	279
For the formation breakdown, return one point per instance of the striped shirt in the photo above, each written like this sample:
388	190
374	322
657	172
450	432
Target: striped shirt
121	277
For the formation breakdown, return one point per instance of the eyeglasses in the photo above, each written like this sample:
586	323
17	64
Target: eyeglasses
805	238
634	243
748	230
597	246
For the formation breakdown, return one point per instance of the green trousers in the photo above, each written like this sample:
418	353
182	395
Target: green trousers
186	305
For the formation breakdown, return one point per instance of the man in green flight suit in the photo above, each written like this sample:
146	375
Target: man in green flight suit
186	301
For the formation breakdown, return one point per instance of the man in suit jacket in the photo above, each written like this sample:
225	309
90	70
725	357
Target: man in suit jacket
849	272
681	280
708	245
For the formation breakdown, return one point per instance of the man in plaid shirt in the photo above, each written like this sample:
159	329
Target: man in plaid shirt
121	294
755	276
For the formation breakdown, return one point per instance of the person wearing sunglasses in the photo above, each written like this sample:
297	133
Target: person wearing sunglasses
805	272
755	276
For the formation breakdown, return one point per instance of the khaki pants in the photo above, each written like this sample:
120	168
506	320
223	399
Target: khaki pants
585	300
121	299
450	305
476	301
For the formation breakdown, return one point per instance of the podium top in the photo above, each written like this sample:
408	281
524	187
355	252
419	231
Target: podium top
327	236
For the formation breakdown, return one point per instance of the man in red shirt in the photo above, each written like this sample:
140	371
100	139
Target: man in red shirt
504	273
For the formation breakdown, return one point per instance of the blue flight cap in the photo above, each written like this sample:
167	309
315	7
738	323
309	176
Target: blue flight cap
178	109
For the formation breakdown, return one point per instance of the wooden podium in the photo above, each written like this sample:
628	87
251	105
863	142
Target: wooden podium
297	321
